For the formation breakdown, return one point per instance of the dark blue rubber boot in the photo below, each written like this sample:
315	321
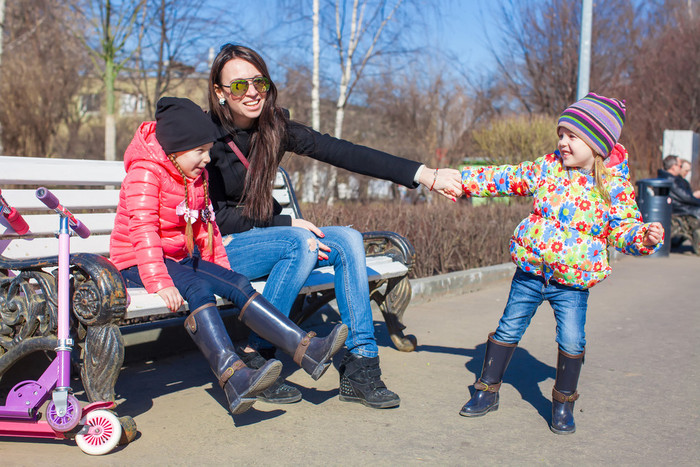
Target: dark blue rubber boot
564	393
240	383
485	398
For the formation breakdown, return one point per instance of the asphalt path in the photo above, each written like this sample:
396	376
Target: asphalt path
639	392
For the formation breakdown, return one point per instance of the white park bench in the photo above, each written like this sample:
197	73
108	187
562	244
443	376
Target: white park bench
90	189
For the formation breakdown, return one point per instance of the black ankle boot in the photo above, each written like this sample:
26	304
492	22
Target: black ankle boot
279	392
485	398
311	353
240	383
564	393
360	381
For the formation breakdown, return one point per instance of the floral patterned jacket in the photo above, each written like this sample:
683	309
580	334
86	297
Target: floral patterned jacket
565	237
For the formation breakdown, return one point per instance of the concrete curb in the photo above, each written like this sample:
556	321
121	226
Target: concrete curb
459	282
470	280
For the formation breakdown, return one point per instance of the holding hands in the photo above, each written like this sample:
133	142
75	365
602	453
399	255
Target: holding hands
654	234
447	182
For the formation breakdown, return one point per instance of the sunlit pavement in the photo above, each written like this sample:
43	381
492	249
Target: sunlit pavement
639	392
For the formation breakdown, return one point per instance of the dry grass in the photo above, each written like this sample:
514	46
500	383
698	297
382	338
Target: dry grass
447	236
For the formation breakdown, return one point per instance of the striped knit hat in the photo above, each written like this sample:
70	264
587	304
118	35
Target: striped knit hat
597	120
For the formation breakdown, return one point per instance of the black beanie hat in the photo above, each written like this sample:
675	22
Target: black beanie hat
181	125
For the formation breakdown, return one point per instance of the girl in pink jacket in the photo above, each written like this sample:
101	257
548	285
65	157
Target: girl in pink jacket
165	240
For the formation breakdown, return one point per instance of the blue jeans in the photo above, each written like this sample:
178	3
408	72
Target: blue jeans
527	292
198	281
283	254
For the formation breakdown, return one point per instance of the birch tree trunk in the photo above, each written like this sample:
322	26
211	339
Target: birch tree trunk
315	81
346	56
315	100
106	56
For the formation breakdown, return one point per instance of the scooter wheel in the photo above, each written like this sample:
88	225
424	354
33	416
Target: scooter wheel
104	433
67	422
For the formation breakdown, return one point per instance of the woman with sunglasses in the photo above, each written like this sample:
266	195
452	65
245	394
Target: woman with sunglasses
260	241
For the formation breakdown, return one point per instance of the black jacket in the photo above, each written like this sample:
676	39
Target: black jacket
682	200
227	173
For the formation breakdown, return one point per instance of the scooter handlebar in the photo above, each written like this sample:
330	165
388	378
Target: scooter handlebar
51	202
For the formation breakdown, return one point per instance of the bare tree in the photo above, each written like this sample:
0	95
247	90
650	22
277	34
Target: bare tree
663	91
171	34
373	31
538	57
111	24
39	81
368	20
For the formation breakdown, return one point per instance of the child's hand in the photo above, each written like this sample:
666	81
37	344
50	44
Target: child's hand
654	234
172	298
447	182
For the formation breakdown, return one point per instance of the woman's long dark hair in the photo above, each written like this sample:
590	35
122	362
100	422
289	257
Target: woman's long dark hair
266	142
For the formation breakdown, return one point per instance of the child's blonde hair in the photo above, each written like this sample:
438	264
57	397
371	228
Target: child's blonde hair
189	236
600	173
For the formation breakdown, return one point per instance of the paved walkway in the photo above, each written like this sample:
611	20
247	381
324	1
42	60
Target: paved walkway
639	393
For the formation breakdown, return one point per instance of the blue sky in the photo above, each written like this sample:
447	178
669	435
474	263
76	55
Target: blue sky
459	28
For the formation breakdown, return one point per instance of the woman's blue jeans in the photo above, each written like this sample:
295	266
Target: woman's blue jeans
527	292
198	282
283	255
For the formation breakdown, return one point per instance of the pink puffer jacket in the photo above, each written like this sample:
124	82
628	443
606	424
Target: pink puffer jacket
147	228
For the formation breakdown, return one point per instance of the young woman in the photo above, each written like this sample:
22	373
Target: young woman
255	134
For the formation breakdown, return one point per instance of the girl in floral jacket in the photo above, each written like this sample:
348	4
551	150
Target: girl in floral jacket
165	240
582	203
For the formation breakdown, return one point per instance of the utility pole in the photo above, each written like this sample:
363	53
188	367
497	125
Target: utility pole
584	54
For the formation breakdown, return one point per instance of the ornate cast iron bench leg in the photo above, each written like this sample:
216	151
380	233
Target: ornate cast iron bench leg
28	311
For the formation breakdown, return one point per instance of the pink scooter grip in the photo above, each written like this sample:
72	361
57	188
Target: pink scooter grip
17	222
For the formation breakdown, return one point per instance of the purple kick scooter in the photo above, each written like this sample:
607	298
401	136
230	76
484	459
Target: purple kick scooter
96	430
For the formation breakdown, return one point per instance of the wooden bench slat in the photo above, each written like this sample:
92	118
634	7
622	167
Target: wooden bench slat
37	247
72	199
282	196
45	225
40	171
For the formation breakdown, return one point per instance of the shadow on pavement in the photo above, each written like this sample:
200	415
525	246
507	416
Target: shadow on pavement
524	373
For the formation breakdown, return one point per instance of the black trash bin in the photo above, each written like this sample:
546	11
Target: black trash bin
655	205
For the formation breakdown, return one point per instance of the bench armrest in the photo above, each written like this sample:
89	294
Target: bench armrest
386	243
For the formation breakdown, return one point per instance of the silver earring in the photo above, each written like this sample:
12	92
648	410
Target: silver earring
222	101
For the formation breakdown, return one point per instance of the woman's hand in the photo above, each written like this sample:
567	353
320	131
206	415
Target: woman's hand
304	224
172	298
654	234
447	182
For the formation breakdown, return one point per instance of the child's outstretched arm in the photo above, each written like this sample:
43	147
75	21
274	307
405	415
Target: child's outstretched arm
503	180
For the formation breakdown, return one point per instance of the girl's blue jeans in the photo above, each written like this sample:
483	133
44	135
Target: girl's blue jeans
283	255
198	281
527	292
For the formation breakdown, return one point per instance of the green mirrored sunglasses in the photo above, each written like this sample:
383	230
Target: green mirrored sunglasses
239	87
